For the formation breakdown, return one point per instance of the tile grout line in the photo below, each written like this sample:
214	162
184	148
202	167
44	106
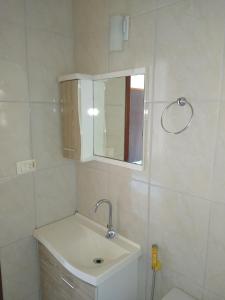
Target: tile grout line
108	34
151	88
30	107
14	177
30	123
213	166
155	9
25	237
47	102
180	192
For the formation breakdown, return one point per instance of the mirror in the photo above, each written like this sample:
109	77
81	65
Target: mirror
119	117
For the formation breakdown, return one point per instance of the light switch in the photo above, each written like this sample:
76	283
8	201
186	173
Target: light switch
25	166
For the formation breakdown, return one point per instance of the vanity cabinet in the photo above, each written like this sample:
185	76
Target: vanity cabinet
58	284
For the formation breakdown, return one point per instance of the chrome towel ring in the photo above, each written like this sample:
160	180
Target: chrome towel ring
181	102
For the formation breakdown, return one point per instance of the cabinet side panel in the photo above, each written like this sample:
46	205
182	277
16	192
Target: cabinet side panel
121	286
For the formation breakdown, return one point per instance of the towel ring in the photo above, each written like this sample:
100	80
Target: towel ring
181	102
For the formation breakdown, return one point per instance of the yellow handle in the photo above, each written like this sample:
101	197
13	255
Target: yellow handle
156	265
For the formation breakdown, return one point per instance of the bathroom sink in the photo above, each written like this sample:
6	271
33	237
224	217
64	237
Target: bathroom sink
80	245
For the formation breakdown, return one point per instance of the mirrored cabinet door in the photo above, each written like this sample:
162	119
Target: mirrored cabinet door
119	117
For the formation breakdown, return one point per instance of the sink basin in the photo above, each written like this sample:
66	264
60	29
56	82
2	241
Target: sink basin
79	244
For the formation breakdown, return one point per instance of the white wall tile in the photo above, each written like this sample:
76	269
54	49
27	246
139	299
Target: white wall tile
93	164
90	16
167	280
49	54
210	296
10	35
216	251
130	216
184	162
52	15
156	4
17	209
20	270
130	198
179	225
92	185
13	82
119	7
218	181
43	82
96	57
91	36
54	54
55	194
50	49
136	7
46	135
138	50
189	50
141	6
12	10
35	296
15	136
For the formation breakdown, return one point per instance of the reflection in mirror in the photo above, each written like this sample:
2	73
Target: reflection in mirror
118	118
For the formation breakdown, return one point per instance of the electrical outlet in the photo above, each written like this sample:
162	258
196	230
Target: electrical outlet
25	166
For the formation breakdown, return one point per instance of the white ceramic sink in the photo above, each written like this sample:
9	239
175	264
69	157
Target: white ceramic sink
76	241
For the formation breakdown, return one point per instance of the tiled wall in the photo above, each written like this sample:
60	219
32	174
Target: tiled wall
179	202
36	45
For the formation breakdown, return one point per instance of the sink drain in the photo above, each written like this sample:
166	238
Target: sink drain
98	261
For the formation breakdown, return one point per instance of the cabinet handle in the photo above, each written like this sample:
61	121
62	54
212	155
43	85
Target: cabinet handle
69	284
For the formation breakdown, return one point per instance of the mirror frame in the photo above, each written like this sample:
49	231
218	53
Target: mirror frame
129	72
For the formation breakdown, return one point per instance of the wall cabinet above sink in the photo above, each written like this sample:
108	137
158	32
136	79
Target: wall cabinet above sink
103	117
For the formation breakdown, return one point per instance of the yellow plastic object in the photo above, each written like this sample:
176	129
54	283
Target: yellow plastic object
156	265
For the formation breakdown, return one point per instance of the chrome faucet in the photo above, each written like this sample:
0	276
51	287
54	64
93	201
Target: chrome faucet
111	233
